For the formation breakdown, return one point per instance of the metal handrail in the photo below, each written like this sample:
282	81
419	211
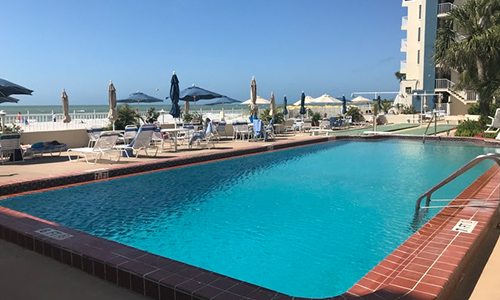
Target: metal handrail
434	117
492	156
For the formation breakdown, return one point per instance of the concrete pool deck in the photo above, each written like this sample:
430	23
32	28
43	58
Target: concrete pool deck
48	167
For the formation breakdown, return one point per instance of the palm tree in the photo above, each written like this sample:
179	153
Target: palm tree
469	42
400	76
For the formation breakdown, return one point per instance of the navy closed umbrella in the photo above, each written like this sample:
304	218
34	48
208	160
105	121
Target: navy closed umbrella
285	110
175	111
344	105
379	104
8	88
302	104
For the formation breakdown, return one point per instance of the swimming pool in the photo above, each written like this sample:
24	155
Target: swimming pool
307	222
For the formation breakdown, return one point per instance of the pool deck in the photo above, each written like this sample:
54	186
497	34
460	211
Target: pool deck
421	268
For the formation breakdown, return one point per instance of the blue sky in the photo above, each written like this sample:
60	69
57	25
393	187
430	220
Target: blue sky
329	46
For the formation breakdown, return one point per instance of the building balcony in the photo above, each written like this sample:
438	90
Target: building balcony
406	2
403	45
402	67
444	9
404	23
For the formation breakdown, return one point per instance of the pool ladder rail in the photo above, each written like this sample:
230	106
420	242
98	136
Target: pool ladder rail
433	118
474	162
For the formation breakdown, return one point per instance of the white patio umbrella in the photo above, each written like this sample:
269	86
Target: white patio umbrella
65	103
308	100
325	99
112	114
259	101
361	100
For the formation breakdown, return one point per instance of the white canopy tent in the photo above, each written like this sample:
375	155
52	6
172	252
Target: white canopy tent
308	100
326	99
361	100
260	101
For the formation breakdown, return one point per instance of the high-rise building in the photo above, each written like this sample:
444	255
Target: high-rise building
422	76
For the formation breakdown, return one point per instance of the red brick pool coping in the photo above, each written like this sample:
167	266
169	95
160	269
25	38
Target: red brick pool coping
426	266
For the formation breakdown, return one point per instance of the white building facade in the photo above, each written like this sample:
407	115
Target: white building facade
423	78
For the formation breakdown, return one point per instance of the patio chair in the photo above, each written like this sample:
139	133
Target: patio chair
104	145
261	131
220	130
307	126
207	135
93	133
494	127
324	124
130	133
289	125
158	138
241	131
142	141
10	147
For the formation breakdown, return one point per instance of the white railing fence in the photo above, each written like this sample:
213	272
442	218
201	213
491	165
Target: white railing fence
48	122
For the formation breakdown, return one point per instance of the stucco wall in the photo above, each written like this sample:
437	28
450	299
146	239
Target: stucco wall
72	137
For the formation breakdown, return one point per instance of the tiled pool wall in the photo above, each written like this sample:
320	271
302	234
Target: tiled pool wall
428	265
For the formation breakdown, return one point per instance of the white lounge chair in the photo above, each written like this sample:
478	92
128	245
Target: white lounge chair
142	141
93	133
103	145
494	127
130	133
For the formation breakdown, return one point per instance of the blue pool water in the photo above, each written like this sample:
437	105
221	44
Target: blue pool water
308	221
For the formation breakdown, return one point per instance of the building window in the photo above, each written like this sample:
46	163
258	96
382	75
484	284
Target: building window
420	12
418	57
408	90
418	34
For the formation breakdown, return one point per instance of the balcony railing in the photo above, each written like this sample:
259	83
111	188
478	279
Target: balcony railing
403	45
445	8
402	66
404	23
443	84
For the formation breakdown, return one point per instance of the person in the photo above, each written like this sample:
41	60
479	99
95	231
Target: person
19	117
53	117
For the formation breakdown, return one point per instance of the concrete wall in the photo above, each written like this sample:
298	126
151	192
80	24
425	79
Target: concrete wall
457	107
72	137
